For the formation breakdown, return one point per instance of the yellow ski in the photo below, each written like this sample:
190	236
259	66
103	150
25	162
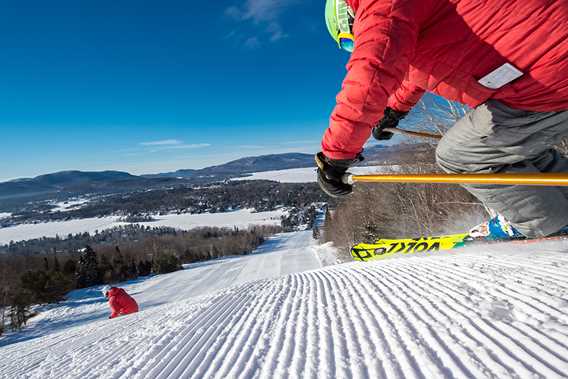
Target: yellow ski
386	248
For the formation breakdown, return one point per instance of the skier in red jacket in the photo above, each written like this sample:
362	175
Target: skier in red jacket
506	59
119	301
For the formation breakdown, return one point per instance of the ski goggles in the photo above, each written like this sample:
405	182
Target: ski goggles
346	41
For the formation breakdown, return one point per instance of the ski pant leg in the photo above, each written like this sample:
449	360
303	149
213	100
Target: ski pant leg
496	138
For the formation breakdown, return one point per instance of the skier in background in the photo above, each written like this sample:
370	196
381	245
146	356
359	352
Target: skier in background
119	301
507	59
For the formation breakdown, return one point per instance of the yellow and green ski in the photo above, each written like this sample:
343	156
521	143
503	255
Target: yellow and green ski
386	248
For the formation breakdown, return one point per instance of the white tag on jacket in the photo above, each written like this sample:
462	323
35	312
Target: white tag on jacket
503	75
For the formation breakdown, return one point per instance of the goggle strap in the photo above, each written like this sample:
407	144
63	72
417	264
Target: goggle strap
344	16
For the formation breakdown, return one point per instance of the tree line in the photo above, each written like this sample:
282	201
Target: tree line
221	197
43	271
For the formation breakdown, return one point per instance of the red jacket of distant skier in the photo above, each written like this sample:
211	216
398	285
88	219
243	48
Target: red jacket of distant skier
406	47
121	303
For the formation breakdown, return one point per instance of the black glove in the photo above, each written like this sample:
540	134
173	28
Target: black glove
331	172
390	120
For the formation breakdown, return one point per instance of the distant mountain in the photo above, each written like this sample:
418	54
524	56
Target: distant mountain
74	183
246	166
71	183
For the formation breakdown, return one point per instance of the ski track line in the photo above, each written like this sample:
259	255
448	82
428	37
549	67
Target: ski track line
466	323
326	356
308	346
155	357
277	331
396	353
384	366
456	340
199	337
485	333
298	359
500	327
350	360
515	294
41	361
358	333
195	337
281	356
449	365
460	333
427	363
352	340
517	351
539	352
245	336
109	362
262	347
169	322
314	348
417	353
336	341
367	329
48	365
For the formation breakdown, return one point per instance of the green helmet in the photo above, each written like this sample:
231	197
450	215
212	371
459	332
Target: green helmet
331	19
339	18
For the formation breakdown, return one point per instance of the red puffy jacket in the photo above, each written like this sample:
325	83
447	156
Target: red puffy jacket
121	303
406	47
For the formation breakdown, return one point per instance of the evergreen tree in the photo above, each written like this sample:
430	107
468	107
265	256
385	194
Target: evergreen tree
19	312
106	272
166	262
119	265
144	268
87	270
132	270
56	266
70	267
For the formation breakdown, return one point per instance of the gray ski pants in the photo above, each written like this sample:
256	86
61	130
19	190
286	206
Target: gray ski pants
496	138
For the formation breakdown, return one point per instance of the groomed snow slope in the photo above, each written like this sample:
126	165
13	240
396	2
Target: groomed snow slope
499	311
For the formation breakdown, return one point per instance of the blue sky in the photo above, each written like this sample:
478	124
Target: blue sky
147	86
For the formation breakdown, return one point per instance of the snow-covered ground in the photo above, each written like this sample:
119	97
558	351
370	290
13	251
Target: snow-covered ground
69	205
499	311
308	175
293	175
186	221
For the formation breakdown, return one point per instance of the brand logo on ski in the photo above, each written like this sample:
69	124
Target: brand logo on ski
385	248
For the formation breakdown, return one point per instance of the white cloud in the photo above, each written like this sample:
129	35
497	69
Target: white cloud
263	14
252	43
164	145
166	142
182	146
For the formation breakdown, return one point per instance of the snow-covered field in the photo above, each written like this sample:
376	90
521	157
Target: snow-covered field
499	311
308	175
241	218
69	205
293	175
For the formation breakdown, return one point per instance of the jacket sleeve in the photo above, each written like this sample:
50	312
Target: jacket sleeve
115	306
386	33
405	97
